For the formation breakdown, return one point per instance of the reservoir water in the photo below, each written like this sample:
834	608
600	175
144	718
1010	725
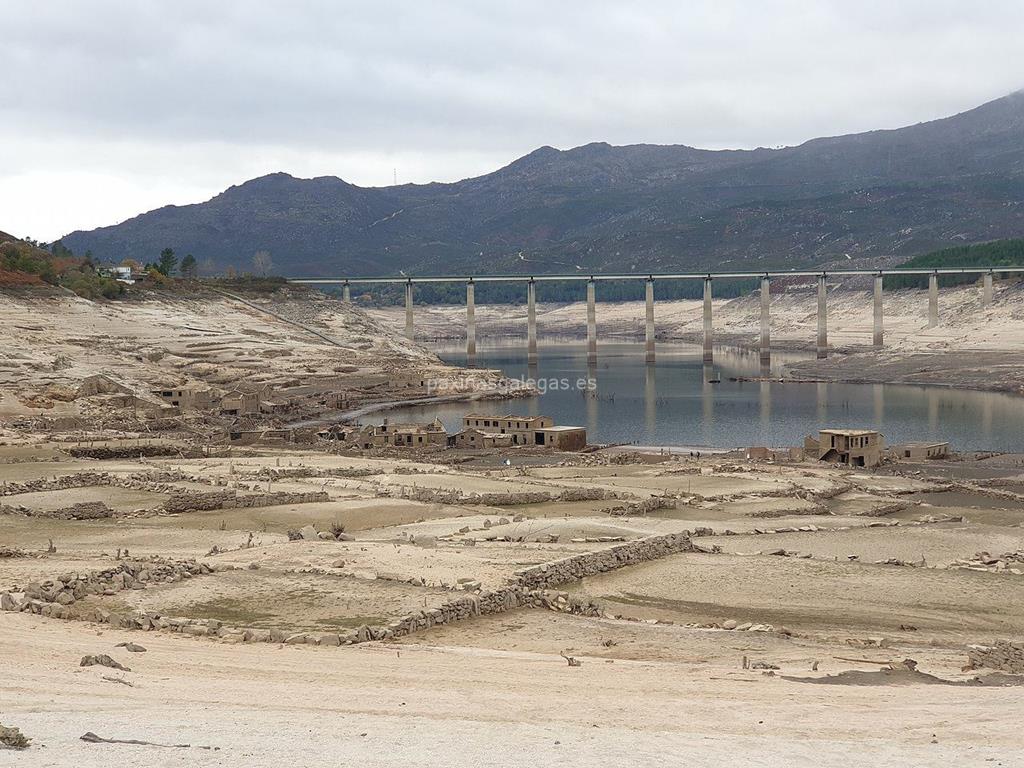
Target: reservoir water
674	402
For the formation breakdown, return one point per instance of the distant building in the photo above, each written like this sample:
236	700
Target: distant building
265	436
188	397
524	430
401	435
478	438
761	453
121	274
856	447
239	403
921	451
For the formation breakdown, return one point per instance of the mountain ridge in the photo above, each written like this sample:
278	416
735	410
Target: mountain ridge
864	197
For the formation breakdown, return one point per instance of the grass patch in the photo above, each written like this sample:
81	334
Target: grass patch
229	610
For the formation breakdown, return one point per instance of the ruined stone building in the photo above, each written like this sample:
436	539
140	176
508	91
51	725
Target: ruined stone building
402	435
856	447
525	430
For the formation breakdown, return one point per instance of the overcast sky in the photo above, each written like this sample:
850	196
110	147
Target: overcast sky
109	109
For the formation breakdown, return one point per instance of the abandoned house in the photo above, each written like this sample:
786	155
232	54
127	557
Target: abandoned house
188	397
919	451
479	438
527	430
855	447
402	435
239	403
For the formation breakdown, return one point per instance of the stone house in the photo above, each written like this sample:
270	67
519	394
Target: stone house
522	428
562	438
855	447
402	435
529	430
189	397
922	451
478	438
239	403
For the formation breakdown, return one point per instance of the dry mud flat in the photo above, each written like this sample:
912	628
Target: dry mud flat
661	682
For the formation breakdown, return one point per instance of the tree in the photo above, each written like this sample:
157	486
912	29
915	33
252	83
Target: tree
132	264
207	267
230	273
189	268
58	249
261	263
168	262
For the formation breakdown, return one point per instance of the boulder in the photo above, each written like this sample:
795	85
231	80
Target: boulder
102	660
8	603
308	533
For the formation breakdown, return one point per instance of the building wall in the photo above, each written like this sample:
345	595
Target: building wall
565	439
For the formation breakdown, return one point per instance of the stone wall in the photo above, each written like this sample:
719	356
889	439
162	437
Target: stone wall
529	588
56	597
132	451
197	501
1002	655
78	480
83	510
547	575
442	496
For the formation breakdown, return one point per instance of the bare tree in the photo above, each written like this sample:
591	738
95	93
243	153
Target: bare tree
261	263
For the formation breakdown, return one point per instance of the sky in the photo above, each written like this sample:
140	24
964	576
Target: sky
109	109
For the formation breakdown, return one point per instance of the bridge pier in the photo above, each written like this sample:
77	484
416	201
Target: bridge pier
409	331
470	324
822	318
531	322
346	293
766	332
986	290
649	327
709	355
933	300
591	322
876	336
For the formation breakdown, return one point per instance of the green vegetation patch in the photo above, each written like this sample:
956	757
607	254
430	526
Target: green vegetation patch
999	253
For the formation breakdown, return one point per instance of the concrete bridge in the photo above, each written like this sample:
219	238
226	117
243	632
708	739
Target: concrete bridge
649	279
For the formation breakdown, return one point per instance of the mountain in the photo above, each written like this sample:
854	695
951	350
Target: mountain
863	198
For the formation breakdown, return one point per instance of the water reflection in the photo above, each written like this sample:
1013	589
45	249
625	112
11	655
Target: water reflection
680	401
650	397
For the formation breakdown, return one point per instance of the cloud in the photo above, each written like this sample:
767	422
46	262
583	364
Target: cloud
138	103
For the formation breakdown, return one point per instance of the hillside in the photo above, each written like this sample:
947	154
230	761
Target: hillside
879	196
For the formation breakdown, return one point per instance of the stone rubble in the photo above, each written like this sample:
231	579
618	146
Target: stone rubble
1002	655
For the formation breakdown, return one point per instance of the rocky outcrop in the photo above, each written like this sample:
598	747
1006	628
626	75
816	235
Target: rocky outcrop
1003	655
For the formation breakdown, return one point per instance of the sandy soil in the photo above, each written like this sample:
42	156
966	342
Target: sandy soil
494	691
459	705
816	596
